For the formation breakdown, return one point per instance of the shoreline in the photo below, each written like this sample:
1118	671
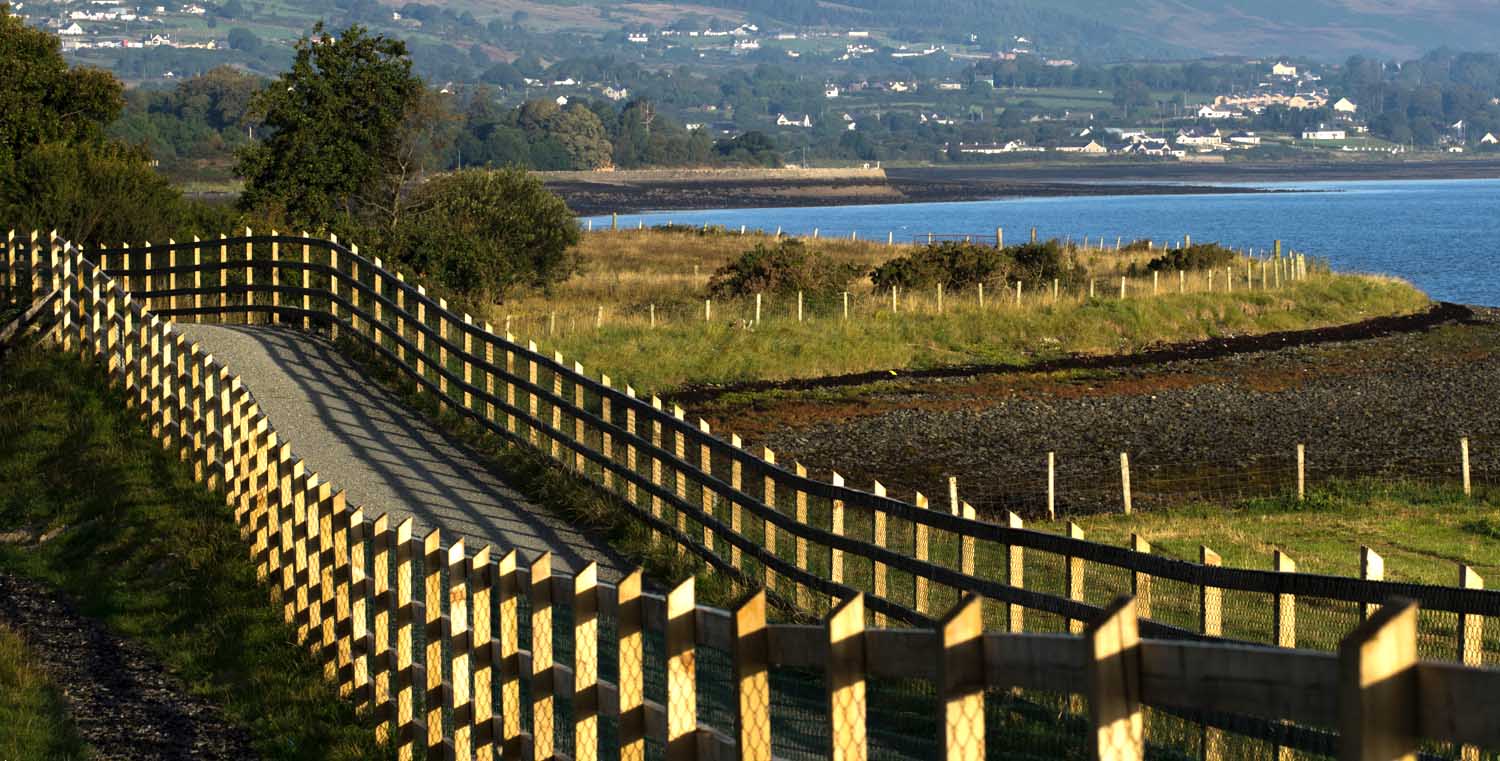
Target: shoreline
631	192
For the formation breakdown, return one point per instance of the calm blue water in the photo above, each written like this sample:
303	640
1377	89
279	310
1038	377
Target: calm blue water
1442	235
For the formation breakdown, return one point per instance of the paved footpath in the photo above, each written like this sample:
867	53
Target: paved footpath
388	458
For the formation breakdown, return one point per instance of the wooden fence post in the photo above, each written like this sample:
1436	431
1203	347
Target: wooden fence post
1015	577
405	718
682	695
752	685
966	543
384	607
460	644
1301	472
481	577
709	498
1378	690
1073	577
961	682
803	597
543	707
1285	612
836	518
432	605
356	627
1371	568
1140	583
1463	446
845	675
632	670
586	664
768	497
737	487
921	539
508	582
1114	684
878	569
1125	480
1211	623
1470	641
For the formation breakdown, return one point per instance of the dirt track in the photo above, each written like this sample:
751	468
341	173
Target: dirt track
122	700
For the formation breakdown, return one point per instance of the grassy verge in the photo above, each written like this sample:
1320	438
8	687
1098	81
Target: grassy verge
155	557
675	354
637	311
1423	532
32	712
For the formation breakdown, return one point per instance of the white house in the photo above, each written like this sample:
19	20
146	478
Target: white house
637	38
1200	138
950	86
1489	139
1211	112
782	120
859	35
72	30
831	91
1283	70
1324	133
1345	106
1092	148
1245	138
614	93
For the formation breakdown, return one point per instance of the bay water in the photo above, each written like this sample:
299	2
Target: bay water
1442	235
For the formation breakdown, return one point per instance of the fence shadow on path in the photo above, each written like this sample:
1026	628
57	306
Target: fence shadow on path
384	454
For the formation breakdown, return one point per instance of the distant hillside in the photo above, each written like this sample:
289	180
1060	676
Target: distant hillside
1329	30
1321	29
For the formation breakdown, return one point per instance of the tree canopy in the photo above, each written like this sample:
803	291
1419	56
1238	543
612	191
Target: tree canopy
335	122
44	100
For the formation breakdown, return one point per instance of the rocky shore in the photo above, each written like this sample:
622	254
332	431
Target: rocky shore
1392	400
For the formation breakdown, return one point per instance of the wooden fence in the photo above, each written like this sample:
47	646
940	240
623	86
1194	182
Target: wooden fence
766	524
481	654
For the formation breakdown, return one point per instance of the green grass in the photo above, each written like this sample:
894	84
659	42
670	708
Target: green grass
688	351
32	711
1421	531
155	556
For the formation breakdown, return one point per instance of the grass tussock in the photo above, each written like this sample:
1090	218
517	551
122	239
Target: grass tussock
638	312
33	715
155	556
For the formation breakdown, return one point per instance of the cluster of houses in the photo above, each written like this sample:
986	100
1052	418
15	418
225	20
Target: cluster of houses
104	18
1127	142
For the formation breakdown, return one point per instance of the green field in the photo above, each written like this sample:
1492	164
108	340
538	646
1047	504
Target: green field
156	558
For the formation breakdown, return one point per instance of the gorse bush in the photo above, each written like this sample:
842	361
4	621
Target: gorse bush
785	267
964	265
1199	256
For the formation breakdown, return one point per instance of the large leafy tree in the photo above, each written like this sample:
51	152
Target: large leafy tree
335	122
57	170
42	99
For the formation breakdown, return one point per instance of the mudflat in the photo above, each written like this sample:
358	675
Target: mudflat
630	192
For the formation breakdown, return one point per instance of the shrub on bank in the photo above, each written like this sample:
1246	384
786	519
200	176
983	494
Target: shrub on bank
785	267
964	265
1199	256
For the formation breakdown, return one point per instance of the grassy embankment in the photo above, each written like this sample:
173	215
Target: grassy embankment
630	275
32	711
154	556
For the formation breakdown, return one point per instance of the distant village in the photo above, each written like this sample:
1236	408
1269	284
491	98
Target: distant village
1209	127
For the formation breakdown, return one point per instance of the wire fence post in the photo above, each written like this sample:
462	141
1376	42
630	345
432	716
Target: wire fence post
845	677
1371	568
961	681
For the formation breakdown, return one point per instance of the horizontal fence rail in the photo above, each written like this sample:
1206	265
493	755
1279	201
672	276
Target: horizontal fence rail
768	524
478	654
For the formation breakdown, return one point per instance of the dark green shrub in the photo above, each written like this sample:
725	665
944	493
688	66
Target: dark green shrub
954	264
1139	244
1199	256
963	265
786	267
482	234
1041	262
